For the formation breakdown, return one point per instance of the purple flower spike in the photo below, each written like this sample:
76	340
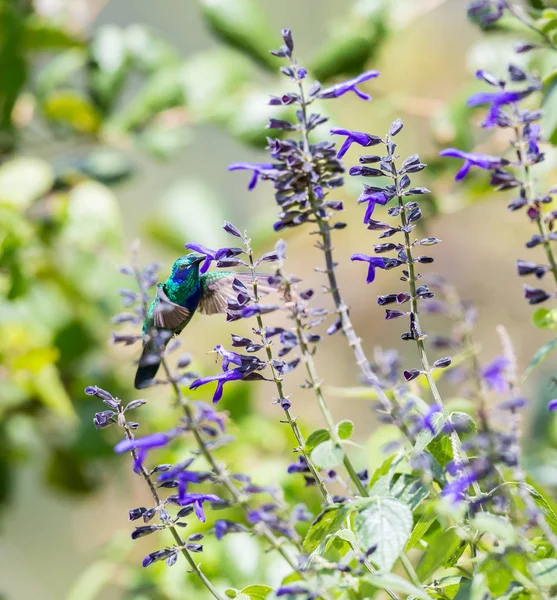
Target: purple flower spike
375	262
256	168
427	422
496	100
494	374
352	137
471	159
552	405
350	86
197	501
142	446
372	198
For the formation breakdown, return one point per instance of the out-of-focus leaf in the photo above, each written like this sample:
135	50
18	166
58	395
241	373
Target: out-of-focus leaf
211	80
397	584
356	39
60	69
68	473
327	455
148	51
545	318
243	25
92	580
420	529
546	506
385	523
410	490
544	572
45	34
50	390
107	66
257	592
173	224
161	91
165	142
549	105
328	522
72	108
496	526
540	355
443	551
13	67
108	166
24	180
499	570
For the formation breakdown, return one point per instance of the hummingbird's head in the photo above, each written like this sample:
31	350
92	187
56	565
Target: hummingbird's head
182	266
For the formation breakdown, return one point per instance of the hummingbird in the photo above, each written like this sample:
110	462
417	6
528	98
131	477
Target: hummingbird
176	301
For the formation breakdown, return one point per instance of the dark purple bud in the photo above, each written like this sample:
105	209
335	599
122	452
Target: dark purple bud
417	191
287	37
393	314
144	530
402	297
184	512
442	363
522	48
240	342
336	326
424	259
535	240
525	267
280	124
232	230
534	295
411	374
396	127
107	397
516	73
388	299
136	513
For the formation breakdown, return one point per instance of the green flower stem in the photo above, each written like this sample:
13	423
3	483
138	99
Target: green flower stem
528	186
460	453
326	246
517	14
187	555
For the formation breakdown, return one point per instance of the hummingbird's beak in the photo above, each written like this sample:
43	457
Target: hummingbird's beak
199	258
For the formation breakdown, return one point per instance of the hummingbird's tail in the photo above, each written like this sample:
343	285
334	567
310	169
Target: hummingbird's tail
149	364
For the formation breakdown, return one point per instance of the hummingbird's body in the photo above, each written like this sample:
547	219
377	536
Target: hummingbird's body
175	303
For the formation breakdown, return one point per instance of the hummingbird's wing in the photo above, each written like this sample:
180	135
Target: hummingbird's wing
167	314
217	290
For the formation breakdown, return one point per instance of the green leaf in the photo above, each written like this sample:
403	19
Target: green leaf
315	438
73	109
410	490
545	318
345	429
257	592
540	355
356	39
420	529
46	34
549	106
57	72
425	436
243	25
499	570
327	522
231	593
385	523
496	526
542	503
24	180
327	455
397	584
443	551
544	572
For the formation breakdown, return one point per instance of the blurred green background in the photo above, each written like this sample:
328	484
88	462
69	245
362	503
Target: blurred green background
118	119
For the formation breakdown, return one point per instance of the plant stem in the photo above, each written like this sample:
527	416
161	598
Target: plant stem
322	219
313	377
528	187
516	12
195	567
292	421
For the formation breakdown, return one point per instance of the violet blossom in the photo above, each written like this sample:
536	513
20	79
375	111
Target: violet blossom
473	159
349	85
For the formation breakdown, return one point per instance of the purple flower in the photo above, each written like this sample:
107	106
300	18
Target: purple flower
427	421
374	262
294	589
457	488
487	12
471	159
496	100
494	374
224	526
212	255
354	137
552	405
142	446
228	357
256	168
221	379
183	477
205	412
197	501
350	86
372	199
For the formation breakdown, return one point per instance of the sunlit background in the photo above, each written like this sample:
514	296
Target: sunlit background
86	171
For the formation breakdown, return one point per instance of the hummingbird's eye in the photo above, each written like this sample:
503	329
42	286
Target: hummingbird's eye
182	266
